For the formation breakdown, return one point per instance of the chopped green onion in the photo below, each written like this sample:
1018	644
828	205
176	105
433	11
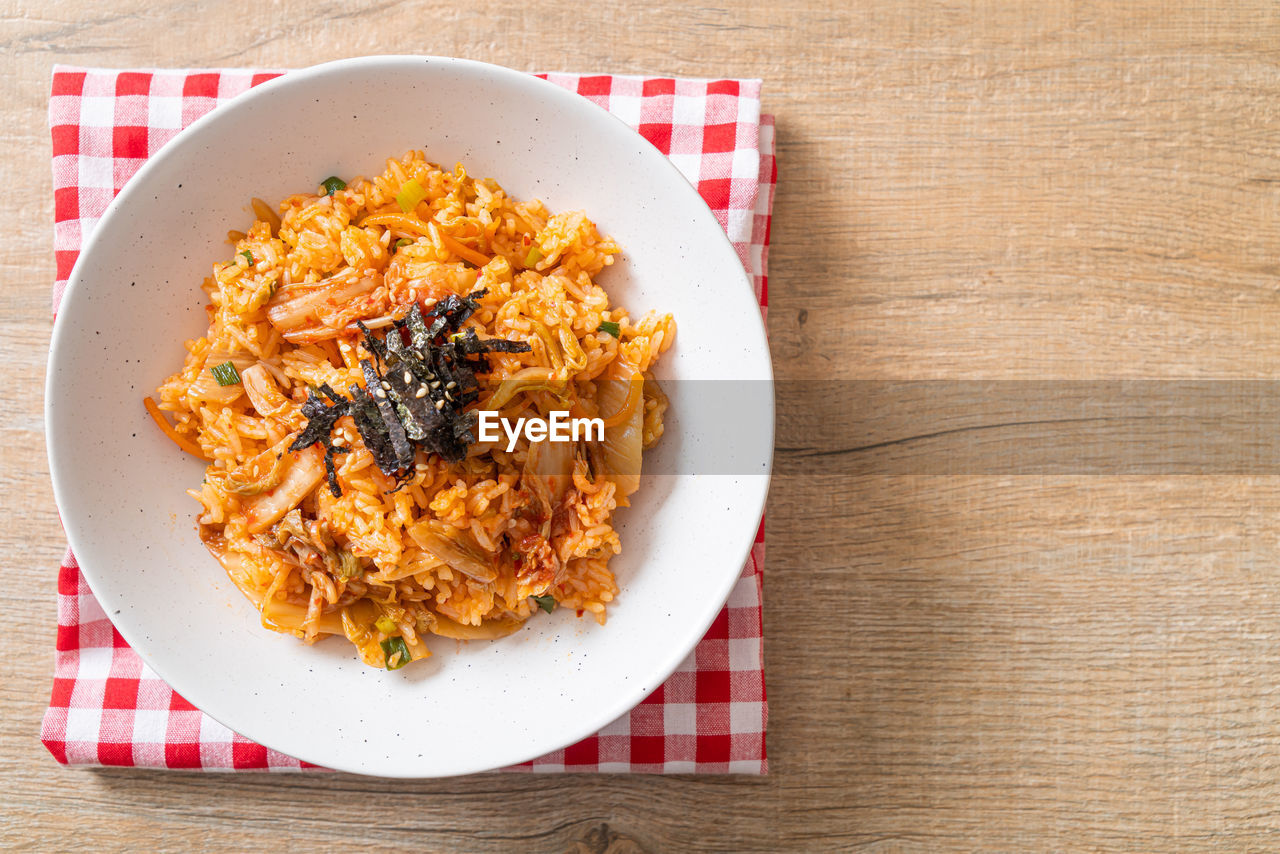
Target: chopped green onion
385	624
534	256
333	184
611	327
248	256
403	242
410	196
225	373
546	603
396	652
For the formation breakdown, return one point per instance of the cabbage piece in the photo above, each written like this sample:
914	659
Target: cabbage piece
206	386
551	465
358	621
303	471
624	442
308	542
284	616
232	562
292	308
455	547
523	380
487	630
263	472
263	392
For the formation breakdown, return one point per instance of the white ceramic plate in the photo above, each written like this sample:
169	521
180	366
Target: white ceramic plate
134	298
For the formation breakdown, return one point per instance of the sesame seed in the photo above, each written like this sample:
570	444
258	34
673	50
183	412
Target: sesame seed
439	405
386	385
451	384
408	377
379	392
338	441
435	383
421	392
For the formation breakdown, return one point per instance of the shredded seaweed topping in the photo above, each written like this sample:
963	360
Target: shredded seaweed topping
417	388
321	417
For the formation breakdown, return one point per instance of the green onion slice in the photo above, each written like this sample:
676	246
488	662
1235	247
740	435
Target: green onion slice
534	256
396	652
333	184
403	242
611	327
225	374
411	195
248	256
546	603
385	624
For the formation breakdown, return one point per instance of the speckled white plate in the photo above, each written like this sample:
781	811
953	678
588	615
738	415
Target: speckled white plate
134	297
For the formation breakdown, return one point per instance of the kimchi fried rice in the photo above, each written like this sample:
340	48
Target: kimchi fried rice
349	536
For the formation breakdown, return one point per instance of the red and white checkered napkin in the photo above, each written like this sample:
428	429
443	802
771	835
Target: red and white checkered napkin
108	708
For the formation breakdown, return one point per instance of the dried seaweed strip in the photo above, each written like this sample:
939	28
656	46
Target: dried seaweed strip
395	430
364	411
418	337
371	343
413	403
330	472
321	418
418	397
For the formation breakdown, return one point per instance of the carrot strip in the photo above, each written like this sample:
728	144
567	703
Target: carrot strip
165	427
413	225
463	251
404	222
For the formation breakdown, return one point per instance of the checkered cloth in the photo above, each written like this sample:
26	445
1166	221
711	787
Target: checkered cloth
108	708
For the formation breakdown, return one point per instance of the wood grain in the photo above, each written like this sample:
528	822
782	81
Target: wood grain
968	190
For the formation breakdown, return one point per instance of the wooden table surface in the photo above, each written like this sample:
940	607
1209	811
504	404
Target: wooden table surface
957	660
